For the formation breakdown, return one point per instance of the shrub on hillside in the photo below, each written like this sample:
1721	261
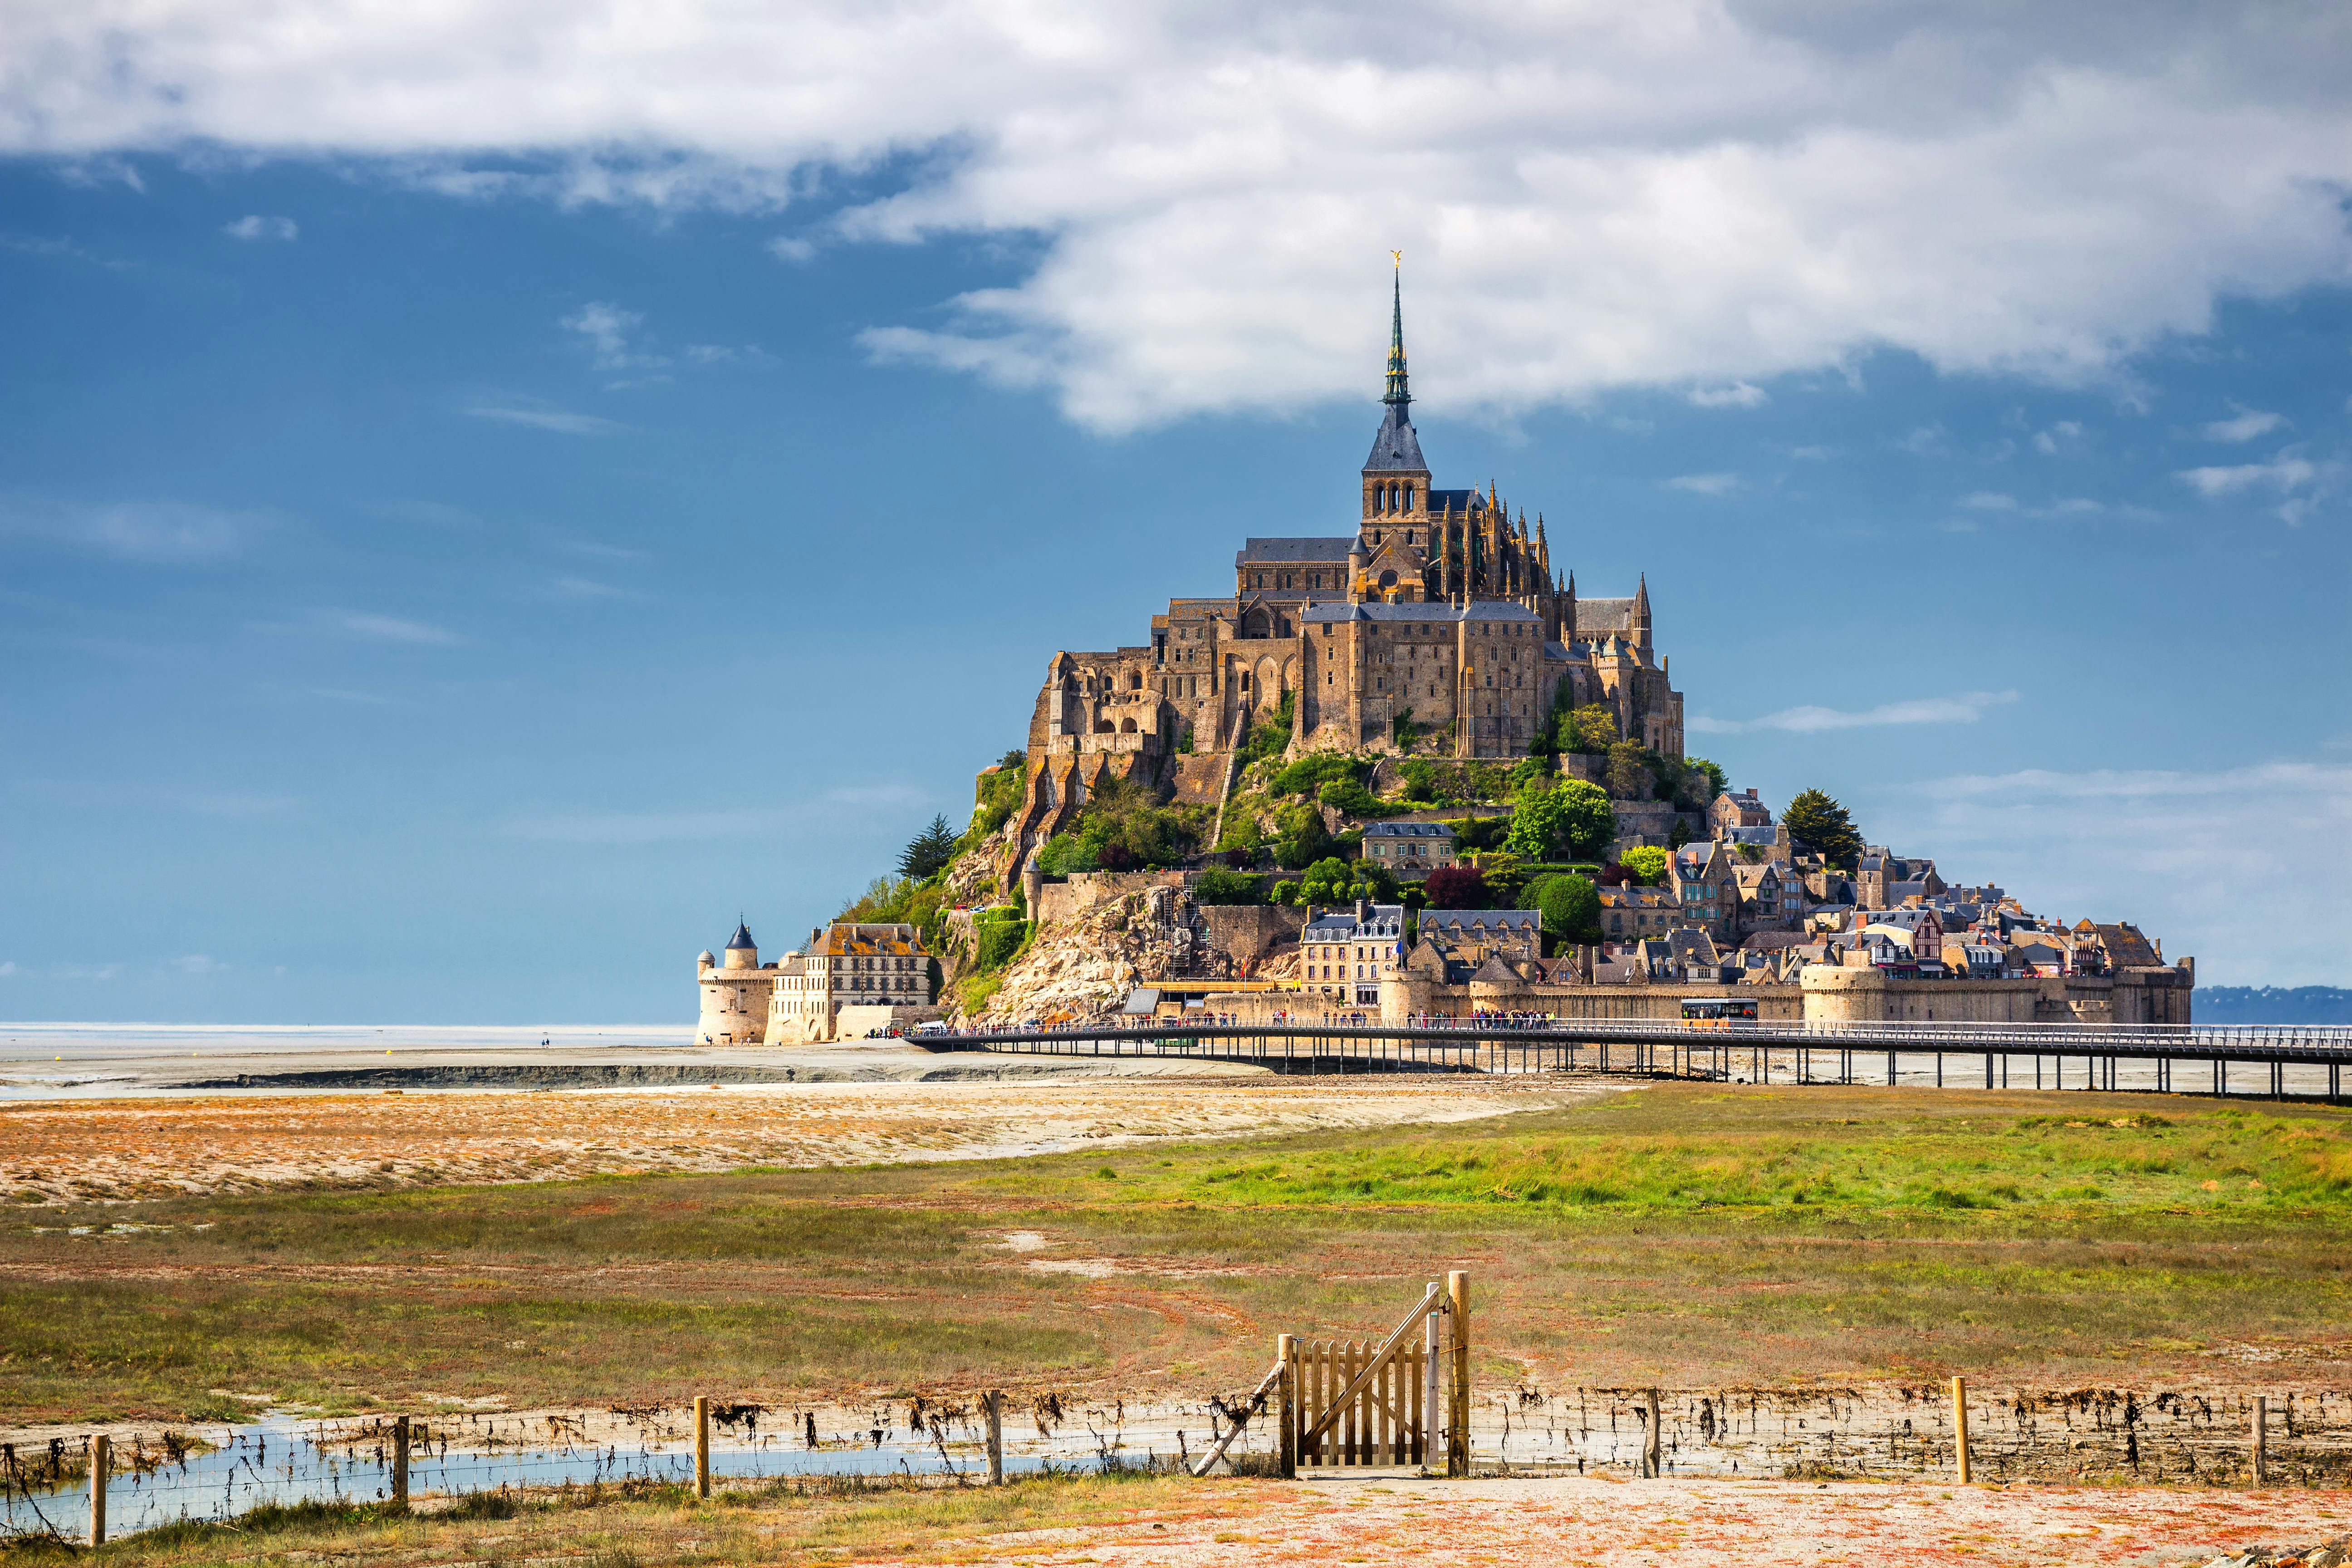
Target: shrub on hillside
1457	888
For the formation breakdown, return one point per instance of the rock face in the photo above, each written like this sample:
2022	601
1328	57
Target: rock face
1083	968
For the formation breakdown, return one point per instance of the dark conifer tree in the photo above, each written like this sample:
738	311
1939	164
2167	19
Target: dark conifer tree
930	853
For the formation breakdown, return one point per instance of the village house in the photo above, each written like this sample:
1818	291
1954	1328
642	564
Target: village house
1345	953
1410	850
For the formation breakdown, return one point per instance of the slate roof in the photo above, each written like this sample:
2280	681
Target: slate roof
1408	830
1457	500
1492	919
1423	610
1595	616
741	939
1339	925
1293	551
1396	449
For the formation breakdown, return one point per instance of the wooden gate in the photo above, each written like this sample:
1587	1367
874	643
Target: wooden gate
1355	1402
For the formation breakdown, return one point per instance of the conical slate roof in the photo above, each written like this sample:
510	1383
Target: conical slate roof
742	938
1396	449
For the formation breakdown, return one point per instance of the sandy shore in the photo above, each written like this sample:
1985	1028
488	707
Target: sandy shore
161	1145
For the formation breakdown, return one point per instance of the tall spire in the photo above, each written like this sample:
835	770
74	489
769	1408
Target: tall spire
1396	394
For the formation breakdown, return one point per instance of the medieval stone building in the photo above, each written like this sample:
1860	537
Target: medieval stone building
1440	622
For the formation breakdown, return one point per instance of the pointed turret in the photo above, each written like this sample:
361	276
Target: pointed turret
1640	638
1396	450
1396	395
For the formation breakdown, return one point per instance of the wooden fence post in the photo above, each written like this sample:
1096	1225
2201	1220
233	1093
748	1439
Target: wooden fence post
1432	1374
1651	1422
1285	1357
101	1461
996	1437
2262	1439
1961	1427
1457	1418
702	1445
400	1462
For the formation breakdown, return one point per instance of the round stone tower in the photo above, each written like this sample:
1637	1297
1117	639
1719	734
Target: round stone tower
735	992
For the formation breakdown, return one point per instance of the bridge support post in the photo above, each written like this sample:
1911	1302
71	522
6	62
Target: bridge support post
1989	1069
1890	1069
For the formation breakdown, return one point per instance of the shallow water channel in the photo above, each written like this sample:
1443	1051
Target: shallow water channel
283	1459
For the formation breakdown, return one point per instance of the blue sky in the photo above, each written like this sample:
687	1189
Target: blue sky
447	574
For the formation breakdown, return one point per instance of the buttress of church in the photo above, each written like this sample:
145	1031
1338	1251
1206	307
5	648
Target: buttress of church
1440	625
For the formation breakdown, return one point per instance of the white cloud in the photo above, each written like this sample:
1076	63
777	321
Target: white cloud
2247	424
608	329
2281	474
584	588
2047	442
253	226
387	628
145	533
533	414
1964	709
751	354
2167	850
1686	192
1990	501
1738	395
196	963
1705	484
7	969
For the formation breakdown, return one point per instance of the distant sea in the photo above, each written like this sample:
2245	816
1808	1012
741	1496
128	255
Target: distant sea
2272	1004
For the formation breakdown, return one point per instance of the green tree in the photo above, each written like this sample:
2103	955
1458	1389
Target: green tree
1218	887
1285	891
1595	727
1538	820
1332	880
1570	906
1304	839
928	854
1717	780
1588	821
1629	774
1821	824
1648	862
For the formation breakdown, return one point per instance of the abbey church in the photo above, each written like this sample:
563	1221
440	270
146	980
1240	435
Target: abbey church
1440	625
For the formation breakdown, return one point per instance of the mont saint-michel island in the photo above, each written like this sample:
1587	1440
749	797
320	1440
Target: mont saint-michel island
960	785
1410	771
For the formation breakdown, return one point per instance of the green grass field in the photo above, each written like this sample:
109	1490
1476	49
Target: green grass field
1682	1233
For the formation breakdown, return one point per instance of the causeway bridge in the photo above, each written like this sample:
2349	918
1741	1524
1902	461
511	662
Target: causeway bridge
2271	1062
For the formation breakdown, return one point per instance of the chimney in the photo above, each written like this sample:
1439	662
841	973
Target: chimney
1363	910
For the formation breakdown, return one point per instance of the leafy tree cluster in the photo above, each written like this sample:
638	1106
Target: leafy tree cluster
1311	773
902	901
1457	888
1648	862
1819	824
1336	881
1572	817
1717	780
1303	839
1570	906
1002	933
1223	887
1121	828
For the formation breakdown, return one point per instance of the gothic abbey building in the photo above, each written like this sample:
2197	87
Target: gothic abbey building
1442	616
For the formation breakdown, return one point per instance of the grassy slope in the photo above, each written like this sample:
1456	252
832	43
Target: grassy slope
1686	1233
